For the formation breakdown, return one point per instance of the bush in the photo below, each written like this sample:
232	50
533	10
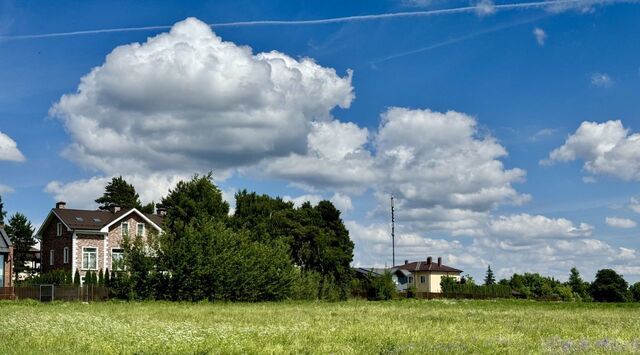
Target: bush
635	291
475	291
54	277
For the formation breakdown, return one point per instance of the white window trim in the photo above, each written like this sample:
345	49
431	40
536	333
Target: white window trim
122	229
82	262
66	255
143	229
59	229
51	256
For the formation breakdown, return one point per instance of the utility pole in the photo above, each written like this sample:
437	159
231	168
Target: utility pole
393	235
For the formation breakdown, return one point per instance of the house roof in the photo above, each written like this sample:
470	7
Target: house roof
425	266
95	220
5	242
380	271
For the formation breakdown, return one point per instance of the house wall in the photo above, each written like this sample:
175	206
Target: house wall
51	241
8	267
436	277
432	280
115	238
89	241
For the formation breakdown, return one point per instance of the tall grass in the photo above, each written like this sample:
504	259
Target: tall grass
354	327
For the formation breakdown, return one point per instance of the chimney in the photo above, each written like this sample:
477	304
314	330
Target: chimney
439	261
115	209
406	262
61	205
429	261
162	211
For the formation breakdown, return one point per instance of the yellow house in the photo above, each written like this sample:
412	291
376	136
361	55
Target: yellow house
426	275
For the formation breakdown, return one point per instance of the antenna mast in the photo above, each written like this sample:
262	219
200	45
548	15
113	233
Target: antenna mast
393	235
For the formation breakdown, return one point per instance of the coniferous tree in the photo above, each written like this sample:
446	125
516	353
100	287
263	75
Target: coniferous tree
76	278
120	193
20	232
577	284
489	279
107	278
100	278
3	213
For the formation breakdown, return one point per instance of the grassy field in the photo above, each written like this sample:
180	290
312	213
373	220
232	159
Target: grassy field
353	327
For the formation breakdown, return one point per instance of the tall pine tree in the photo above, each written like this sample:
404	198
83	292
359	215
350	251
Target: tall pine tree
20	232
489	279
120	193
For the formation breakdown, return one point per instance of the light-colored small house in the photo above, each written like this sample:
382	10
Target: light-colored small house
6	259
90	240
426	275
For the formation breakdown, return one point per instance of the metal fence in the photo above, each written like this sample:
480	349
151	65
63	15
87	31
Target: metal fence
48	293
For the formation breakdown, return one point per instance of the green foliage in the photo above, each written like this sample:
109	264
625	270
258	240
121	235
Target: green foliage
317	238
120	193
100	278
468	279
578	286
107	278
609	286
635	291
3	213
474	291
54	277
20	232
447	280
197	199
489	279
76	278
374	286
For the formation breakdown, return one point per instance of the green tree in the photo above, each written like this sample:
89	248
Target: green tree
20	232
577	284
3	213
100	278
609	286
489	279
120	193
195	199
446	281
635	291
76	278
107	278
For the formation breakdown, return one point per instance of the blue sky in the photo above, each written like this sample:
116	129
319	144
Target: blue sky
507	135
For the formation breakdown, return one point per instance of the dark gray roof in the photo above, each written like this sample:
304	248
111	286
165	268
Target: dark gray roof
95	219
426	266
5	242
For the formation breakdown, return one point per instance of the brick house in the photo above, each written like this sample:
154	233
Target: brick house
425	275
90	240
6	259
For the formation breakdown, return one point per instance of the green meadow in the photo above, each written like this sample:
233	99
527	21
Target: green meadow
353	327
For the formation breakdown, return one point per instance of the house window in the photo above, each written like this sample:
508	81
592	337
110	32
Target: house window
410	279
89	258
58	229
117	259
140	231
423	279
66	255
125	229
51	257
1	270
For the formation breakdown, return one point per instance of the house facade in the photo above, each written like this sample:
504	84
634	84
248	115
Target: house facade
6	259
90	240
426	275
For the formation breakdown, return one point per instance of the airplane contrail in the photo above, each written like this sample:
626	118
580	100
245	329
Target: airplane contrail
451	11
457	39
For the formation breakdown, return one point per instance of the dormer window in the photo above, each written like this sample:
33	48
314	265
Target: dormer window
125	229
58	229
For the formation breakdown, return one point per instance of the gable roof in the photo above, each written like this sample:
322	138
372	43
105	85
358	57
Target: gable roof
95	220
425	266
5	242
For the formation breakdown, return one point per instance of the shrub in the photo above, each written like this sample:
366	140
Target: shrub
54	277
76	278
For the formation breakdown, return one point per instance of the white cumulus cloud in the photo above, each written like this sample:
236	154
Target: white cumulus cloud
188	101
537	226
606	148
9	149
